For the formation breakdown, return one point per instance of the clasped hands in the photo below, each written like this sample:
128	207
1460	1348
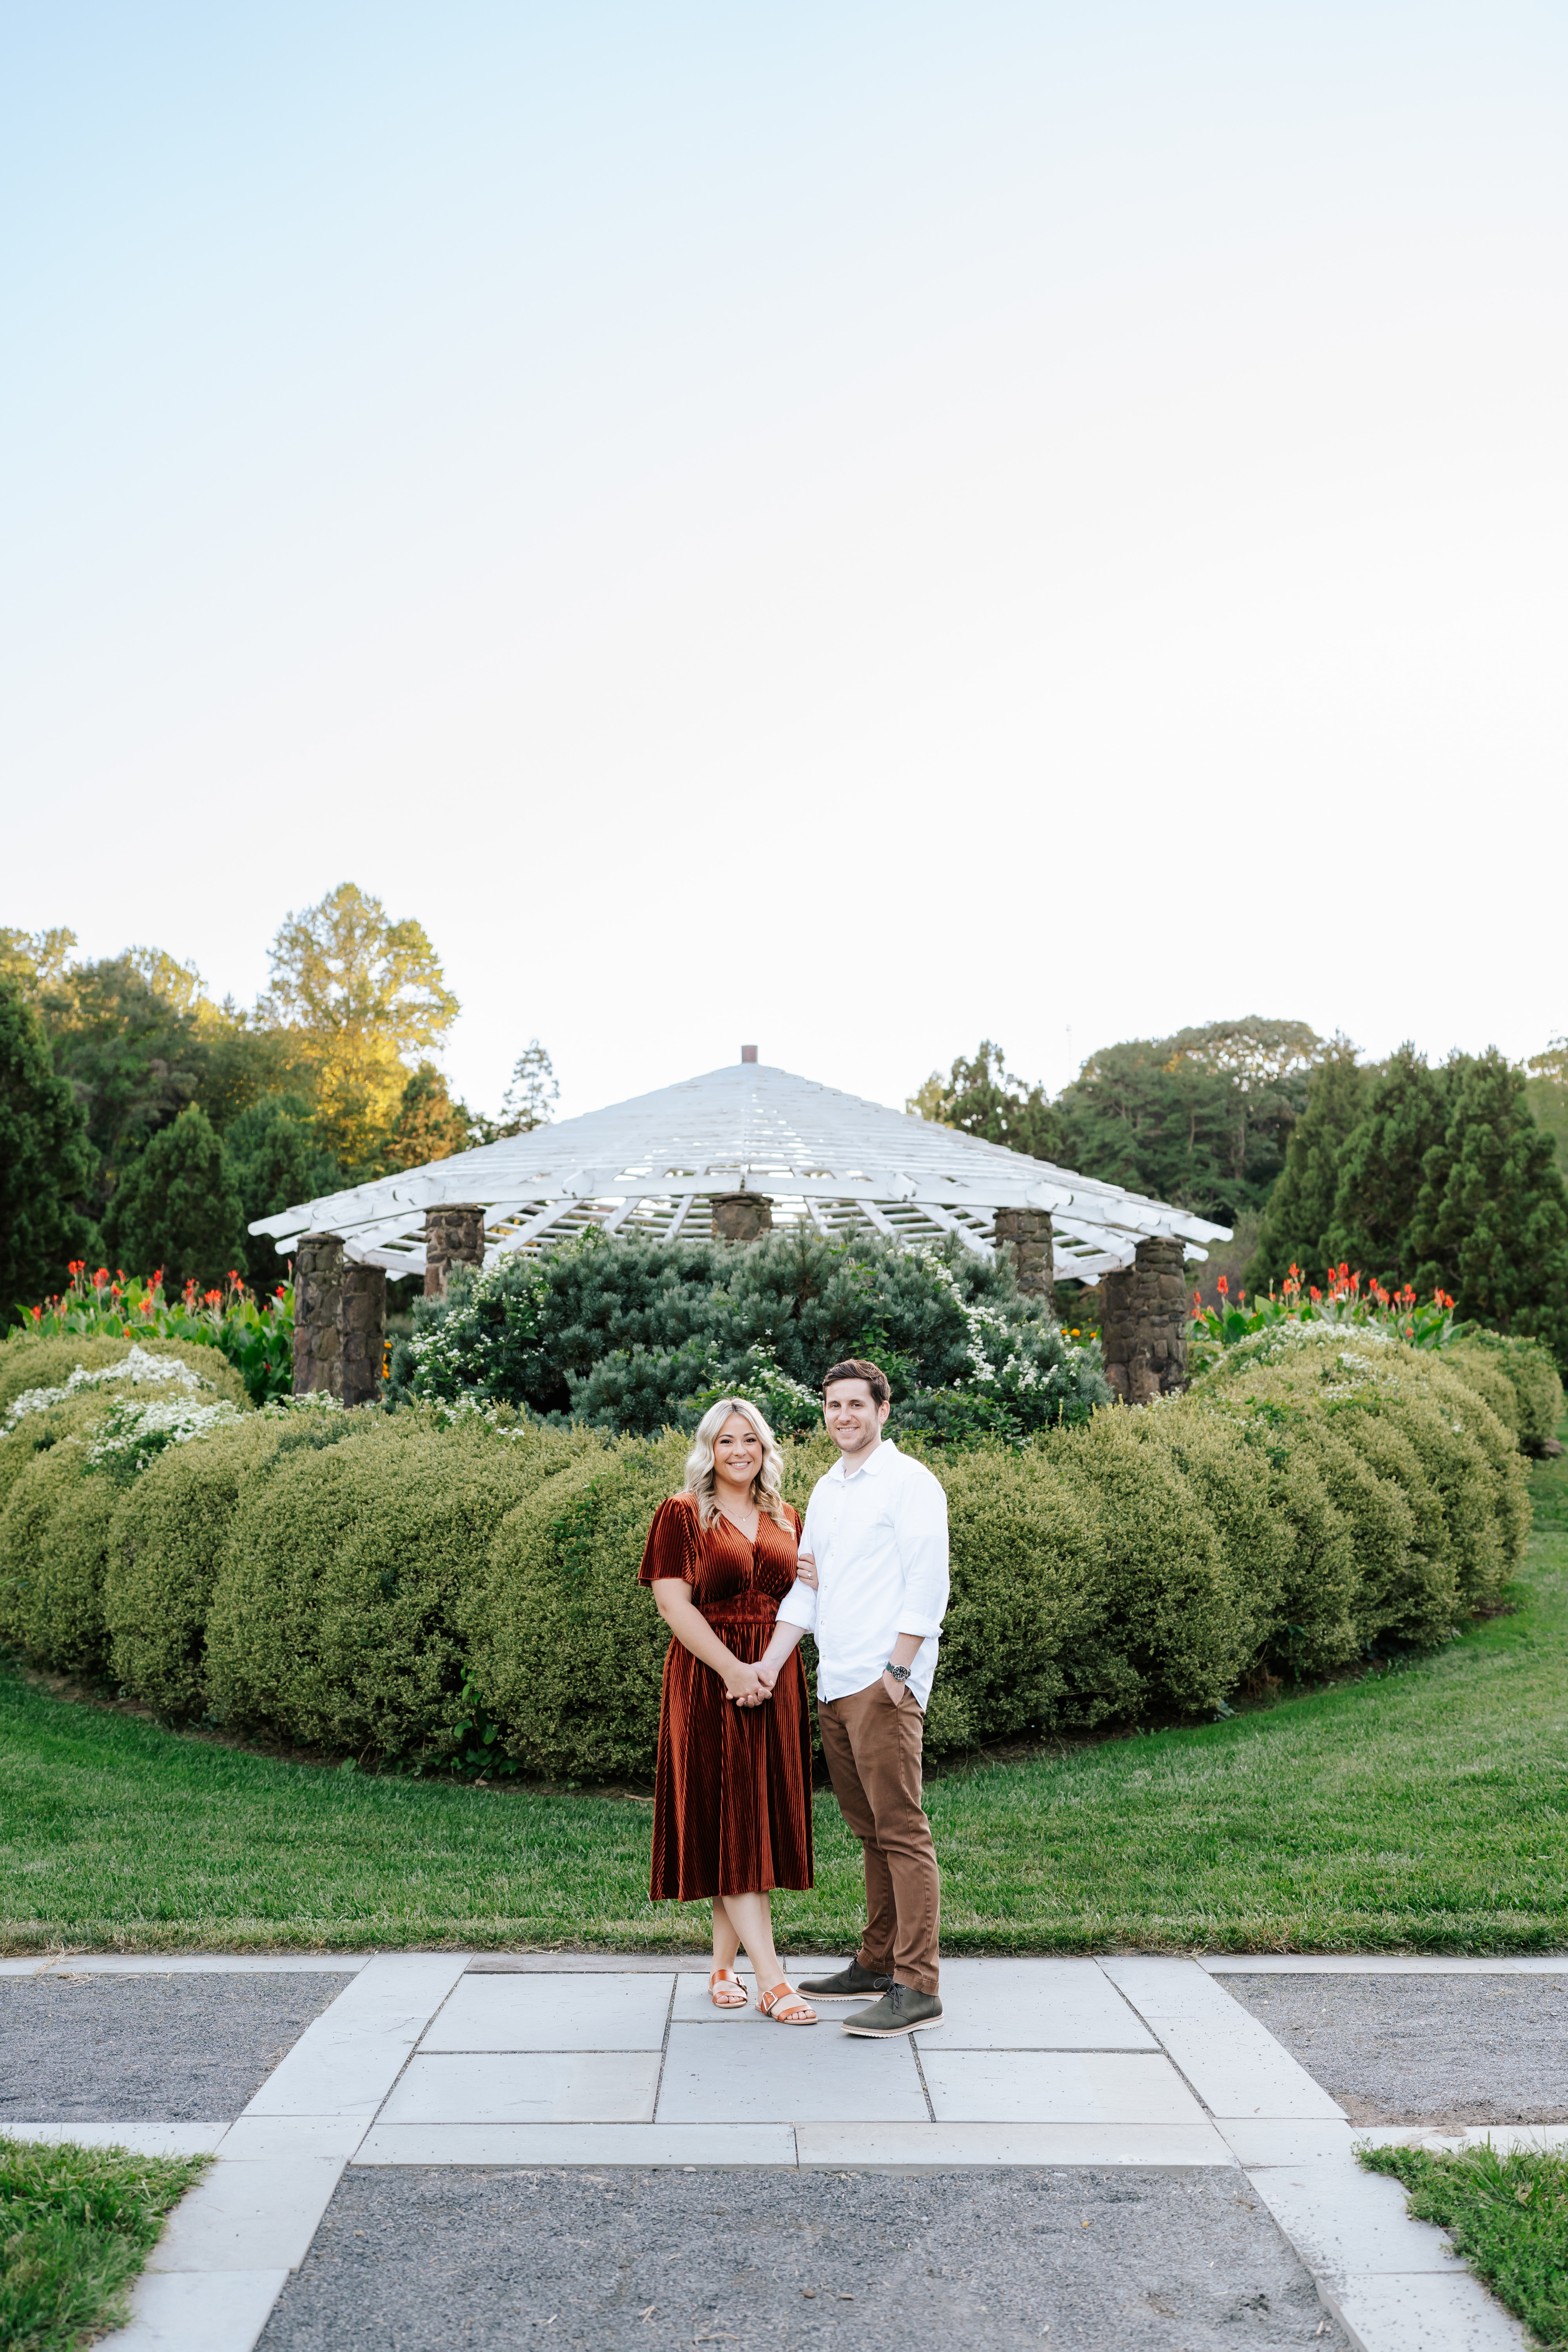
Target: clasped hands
751	1686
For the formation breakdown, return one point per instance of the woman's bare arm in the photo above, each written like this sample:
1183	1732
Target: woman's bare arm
672	1597
784	1640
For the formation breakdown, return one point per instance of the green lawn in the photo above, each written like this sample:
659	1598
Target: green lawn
1423	1810
76	2226
1508	2218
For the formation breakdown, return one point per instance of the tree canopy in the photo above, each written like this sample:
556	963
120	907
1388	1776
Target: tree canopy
981	1096
179	1208
362	993
1200	1118
46	1161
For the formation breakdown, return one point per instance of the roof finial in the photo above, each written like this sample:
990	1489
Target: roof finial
748	1053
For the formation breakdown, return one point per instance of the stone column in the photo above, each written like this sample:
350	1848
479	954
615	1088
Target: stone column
1025	1236
362	1333
1143	1331
741	1216
454	1236
317	1290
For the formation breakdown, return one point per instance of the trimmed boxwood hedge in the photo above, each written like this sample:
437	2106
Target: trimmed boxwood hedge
28	1363
367	1583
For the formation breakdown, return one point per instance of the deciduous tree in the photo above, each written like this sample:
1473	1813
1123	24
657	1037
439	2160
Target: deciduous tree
364	994
981	1096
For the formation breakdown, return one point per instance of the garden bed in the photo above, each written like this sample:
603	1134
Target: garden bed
1388	1814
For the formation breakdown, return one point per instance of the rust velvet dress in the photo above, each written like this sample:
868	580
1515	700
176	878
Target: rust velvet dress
731	1812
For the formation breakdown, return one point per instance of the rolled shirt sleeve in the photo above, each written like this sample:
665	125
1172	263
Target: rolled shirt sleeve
798	1606
920	1519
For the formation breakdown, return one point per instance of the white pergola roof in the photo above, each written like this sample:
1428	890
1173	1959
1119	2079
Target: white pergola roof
825	1159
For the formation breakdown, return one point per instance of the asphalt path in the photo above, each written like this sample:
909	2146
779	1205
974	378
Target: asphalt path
184	2048
407	2261
1446	2052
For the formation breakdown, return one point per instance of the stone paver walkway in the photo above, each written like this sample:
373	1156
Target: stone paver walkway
437	2065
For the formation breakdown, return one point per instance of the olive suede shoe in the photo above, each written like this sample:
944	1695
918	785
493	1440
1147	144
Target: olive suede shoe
853	1983
901	2010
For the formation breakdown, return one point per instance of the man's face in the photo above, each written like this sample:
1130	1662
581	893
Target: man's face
854	1417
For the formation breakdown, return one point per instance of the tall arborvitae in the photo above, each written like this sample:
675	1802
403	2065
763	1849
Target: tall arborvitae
1300	1207
1490	1223
46	1162
1381	1166
178	1208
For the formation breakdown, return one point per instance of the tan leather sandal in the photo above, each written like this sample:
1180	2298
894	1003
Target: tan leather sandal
725	1989
786	2007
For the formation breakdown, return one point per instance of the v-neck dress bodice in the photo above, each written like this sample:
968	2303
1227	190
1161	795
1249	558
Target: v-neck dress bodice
732	1794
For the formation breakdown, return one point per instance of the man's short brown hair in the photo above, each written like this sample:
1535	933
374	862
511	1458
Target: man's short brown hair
856	1367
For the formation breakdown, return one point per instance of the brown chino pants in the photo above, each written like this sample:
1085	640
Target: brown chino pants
872	1744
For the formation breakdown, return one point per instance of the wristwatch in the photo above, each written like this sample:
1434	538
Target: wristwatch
899	1674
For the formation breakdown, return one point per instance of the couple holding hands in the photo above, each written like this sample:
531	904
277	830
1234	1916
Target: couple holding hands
738	1578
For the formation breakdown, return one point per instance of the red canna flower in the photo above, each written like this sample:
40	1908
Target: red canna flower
1223	1287
1317	1294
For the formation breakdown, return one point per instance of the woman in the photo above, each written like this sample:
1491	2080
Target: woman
733	1800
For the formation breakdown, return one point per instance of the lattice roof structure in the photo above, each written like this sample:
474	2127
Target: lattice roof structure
826	1160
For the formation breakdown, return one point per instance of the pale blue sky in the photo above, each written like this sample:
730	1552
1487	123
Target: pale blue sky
1061	509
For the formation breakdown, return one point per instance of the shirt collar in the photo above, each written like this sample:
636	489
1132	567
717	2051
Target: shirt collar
872	1463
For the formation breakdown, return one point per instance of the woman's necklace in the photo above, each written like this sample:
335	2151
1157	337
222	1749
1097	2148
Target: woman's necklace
740	1525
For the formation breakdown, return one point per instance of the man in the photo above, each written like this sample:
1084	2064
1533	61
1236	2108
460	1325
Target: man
876	1533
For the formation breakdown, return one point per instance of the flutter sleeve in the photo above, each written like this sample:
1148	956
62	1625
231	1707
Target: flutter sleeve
672	1544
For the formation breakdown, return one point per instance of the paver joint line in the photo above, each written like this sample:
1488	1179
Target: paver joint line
388	2098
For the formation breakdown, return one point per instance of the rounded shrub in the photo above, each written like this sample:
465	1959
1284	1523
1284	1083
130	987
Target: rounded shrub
1481	1371
1175	1627
1421	1601
36	1432
1508	1478
567	1646
1312	1626
1028	1595
334	1616
169	1537
27	1362
1531	1371
1234	1481
1468	1456
54	1551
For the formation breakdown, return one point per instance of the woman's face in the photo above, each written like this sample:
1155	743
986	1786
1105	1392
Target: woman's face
738	1451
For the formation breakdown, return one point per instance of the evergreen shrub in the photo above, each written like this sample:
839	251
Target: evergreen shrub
1470	1459
371	1584
1176	1631
169	1537
1530	1371
1028	1596
54	1551
28	1363
334	1619
637	1336
567	1647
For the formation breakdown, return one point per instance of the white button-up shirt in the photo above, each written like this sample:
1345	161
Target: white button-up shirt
878	1537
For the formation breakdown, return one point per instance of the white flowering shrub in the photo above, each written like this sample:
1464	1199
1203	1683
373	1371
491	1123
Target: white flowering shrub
131	1431
137	1369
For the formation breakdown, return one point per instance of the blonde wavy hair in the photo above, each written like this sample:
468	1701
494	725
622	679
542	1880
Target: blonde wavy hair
766	1485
